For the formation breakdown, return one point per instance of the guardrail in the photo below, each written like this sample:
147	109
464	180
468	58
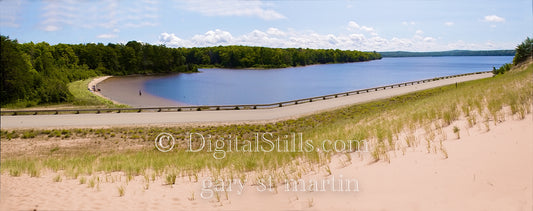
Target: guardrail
226	107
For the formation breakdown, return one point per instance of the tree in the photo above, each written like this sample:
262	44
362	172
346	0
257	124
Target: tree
17	72
39	73
523	51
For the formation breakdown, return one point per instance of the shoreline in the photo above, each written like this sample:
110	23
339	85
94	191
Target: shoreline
94	83
485	164
221	117
125	90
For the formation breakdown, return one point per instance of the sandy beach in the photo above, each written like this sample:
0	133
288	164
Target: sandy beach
125	90
267	105
130	90
484	171
490	167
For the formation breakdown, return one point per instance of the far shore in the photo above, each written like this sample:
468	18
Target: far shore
129	90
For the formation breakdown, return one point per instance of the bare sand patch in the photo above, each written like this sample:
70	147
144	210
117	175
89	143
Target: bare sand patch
126	89
484	171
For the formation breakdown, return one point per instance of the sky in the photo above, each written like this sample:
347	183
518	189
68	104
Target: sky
367	25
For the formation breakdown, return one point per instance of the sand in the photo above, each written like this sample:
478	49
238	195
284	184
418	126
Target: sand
211	117
484	171
125	90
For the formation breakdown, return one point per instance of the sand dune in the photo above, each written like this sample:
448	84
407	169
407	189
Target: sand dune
484	171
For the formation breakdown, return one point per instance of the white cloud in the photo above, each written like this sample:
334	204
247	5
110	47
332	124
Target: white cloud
277	38
109	15
494	19
429	39
449	23
50	28
407	23
367	29
10	13
233	8
210	38
106	36
173	41
276	32
58	14
353	26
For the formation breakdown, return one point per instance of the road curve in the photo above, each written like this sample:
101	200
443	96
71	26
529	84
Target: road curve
213	117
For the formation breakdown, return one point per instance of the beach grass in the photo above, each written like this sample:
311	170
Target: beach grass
387	125
121	190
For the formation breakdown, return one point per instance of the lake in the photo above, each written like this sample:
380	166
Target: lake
249	86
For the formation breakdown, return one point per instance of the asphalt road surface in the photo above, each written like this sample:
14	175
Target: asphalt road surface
213	117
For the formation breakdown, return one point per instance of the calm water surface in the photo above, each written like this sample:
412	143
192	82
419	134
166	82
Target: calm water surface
245	86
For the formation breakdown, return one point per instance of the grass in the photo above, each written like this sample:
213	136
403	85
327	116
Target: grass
92	182
121	190
170	179
456	131
84	97
83	180
192	197
81	98
57	178
380	123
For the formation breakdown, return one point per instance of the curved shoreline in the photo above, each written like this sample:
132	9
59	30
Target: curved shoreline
221	117
94	83
128	90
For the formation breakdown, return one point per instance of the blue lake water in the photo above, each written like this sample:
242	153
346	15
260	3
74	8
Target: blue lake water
247	86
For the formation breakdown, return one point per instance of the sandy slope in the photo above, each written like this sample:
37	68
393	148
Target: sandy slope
485	171
214	117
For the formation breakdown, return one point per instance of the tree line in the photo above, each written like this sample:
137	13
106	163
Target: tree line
39	73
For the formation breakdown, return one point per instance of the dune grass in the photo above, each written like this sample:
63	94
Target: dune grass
388	125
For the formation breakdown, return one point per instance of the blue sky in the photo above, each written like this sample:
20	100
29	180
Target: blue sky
381	25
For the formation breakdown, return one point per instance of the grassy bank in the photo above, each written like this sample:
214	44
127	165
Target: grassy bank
83	97
80	97
390	124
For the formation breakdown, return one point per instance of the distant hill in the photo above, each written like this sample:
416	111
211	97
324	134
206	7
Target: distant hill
448	53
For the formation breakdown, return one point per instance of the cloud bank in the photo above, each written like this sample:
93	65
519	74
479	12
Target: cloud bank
251	8
358	37
111	15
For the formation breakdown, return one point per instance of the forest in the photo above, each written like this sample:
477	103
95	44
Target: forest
34	74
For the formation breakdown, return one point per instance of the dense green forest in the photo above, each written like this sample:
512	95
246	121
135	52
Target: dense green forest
35	74
448	53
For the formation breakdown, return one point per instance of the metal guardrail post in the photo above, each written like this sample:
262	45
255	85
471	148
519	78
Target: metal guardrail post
236	107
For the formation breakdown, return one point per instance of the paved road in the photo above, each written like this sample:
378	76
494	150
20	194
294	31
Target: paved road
213	117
